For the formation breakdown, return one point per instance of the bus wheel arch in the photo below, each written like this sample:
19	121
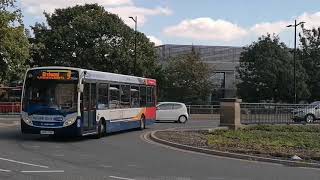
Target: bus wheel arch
142	122
101	128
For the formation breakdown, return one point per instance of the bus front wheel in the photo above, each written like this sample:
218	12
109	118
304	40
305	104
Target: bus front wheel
101	129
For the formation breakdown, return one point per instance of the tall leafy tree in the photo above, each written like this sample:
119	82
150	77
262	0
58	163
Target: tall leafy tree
14	46
87	36
310	56
266	72
187	80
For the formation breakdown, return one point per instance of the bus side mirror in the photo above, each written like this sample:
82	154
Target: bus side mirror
80	88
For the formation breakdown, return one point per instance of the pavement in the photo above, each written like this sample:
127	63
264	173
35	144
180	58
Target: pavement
126	156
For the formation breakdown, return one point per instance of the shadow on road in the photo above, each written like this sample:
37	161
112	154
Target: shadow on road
160	122
14	134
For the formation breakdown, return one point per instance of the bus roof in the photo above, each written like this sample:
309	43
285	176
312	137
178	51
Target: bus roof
99	75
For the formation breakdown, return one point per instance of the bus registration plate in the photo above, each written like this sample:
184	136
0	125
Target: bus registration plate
46	132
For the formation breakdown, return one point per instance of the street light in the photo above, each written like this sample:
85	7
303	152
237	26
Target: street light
294	57
135	20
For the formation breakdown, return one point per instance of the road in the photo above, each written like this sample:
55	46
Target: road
126	156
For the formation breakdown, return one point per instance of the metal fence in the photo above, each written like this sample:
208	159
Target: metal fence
203	109
9	108
204	112
270	113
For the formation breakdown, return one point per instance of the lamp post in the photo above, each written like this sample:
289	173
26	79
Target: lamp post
135	20
294	57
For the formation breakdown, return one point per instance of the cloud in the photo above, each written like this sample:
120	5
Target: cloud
277	27
124	8
143	13
206	29
155	40
267	27
312	20
34	7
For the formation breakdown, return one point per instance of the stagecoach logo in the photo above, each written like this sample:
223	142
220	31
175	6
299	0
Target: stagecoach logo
46	118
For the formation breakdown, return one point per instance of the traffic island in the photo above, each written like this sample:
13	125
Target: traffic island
284	144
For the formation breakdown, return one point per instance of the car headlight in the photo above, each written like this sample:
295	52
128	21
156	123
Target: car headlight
26	119
70	121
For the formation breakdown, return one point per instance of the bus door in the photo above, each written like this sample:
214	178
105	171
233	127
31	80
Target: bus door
89	106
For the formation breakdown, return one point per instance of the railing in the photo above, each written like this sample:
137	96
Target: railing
204	112
9	108
270	113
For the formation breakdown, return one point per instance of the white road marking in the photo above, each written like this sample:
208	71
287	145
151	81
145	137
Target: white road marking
24	163
4	170
106	166
123	178
52	171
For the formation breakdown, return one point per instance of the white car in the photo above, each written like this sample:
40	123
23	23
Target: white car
172	111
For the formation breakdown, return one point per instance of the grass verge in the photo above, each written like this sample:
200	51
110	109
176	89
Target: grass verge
270	140
276	141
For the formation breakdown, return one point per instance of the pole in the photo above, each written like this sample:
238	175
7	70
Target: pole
294	62
135	45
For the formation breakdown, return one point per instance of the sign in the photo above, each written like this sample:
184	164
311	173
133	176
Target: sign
46	118
55	75
151	82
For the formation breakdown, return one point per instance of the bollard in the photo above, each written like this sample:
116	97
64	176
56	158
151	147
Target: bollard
230	113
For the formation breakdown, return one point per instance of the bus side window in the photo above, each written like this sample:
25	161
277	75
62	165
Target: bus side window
125	96
103	96
93	94
114	99
143	96
134	90
85	97
154	95
150	97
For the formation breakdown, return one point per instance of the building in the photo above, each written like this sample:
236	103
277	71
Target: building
224	59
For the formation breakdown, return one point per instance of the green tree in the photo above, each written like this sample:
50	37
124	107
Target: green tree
14	46
266	72
89	37
187	80
310	57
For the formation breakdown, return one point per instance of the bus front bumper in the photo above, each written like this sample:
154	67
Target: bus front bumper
71	130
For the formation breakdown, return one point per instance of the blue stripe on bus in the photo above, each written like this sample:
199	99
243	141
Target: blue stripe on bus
124	125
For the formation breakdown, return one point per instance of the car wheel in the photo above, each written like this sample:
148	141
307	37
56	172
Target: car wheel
309	118
142	123
182	119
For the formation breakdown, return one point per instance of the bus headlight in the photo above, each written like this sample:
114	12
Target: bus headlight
26	119
70	121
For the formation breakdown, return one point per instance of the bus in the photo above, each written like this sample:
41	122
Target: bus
79	102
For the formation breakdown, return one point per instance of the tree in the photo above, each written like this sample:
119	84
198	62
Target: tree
266	72
187	80
310	56
89	37
14	46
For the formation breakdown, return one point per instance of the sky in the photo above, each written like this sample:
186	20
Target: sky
198	22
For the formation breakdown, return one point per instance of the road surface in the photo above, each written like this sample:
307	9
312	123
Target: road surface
126	156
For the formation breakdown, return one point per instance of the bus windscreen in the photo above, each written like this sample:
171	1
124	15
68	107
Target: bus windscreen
53	91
